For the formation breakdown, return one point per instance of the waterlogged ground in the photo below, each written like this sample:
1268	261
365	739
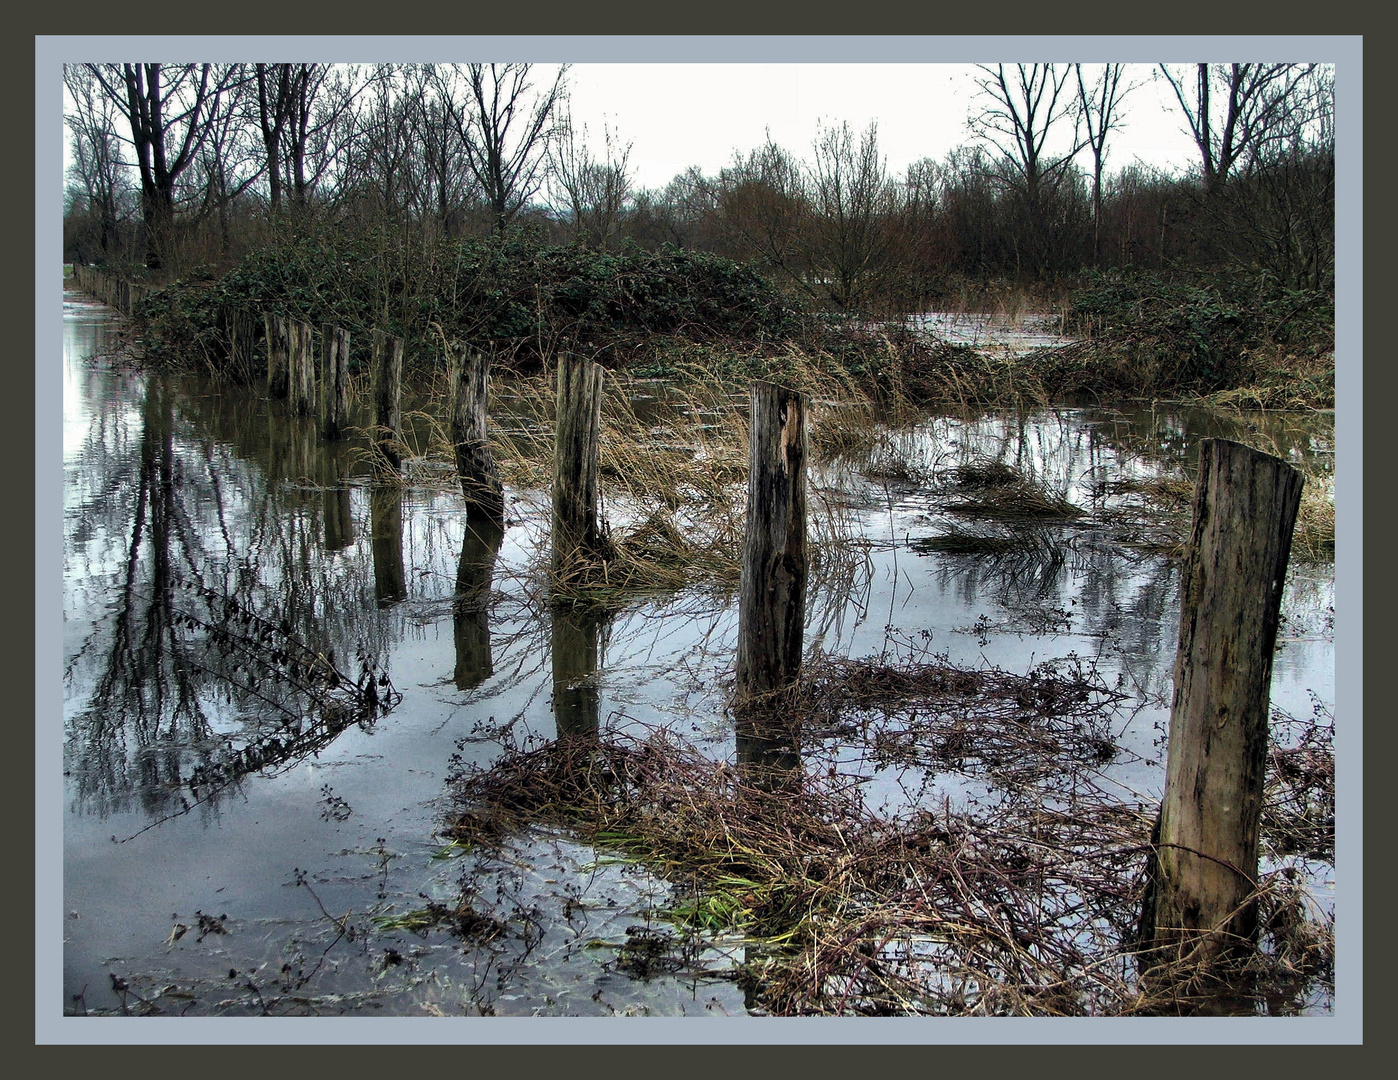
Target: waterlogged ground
200	526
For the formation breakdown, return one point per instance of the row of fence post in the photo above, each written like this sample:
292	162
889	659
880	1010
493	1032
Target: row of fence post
1204	855
112	289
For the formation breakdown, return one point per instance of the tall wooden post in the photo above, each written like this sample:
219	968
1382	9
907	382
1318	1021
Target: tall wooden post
1204	863
334	381
577	528
278	351
480	482
301	368
772	594
240	332
388	398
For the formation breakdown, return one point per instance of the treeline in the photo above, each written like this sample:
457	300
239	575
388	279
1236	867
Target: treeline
185	168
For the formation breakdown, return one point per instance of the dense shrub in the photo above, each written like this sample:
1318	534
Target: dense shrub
514	295
1202	335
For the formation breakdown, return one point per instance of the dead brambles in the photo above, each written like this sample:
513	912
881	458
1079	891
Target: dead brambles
1015	729
1025	906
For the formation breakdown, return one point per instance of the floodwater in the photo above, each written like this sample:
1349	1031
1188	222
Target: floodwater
201	525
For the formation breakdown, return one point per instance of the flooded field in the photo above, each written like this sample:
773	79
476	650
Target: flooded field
276	676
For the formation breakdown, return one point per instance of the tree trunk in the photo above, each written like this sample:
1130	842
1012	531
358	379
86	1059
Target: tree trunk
388	399
334	381
578	534
480	482
1204	865
772	595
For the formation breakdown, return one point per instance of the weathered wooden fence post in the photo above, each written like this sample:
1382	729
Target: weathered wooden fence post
1204	863
388	399
772	593
301	368
334	381
577	527
240	332
480	482
278	351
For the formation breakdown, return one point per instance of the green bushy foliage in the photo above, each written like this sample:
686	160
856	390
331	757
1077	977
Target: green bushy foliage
1202	335
512	295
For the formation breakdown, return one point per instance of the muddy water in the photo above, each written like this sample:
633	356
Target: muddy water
200	525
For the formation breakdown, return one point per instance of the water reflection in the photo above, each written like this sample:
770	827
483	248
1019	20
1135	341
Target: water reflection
386	536
768	753
205	637
470	606
574	634
337	505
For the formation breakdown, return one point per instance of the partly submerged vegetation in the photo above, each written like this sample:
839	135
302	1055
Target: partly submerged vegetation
1023	905
686	315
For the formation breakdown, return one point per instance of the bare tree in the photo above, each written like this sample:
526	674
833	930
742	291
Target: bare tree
169	110
97	172
1025	107
764	210
228	165
1233	110
595	192
301	113
505	129
1099	110
853	203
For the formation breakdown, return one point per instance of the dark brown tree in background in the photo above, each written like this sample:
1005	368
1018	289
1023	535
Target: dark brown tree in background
169	110
1025	106
853	204
593	193
100	188
505	129
1099	112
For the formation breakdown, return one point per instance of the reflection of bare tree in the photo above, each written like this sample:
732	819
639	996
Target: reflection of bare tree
208	634
470	607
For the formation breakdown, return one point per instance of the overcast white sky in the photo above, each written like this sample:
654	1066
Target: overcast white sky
677	115
698	100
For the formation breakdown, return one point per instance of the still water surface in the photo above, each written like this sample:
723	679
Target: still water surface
261	896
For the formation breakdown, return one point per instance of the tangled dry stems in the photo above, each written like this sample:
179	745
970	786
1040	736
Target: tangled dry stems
1026	906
